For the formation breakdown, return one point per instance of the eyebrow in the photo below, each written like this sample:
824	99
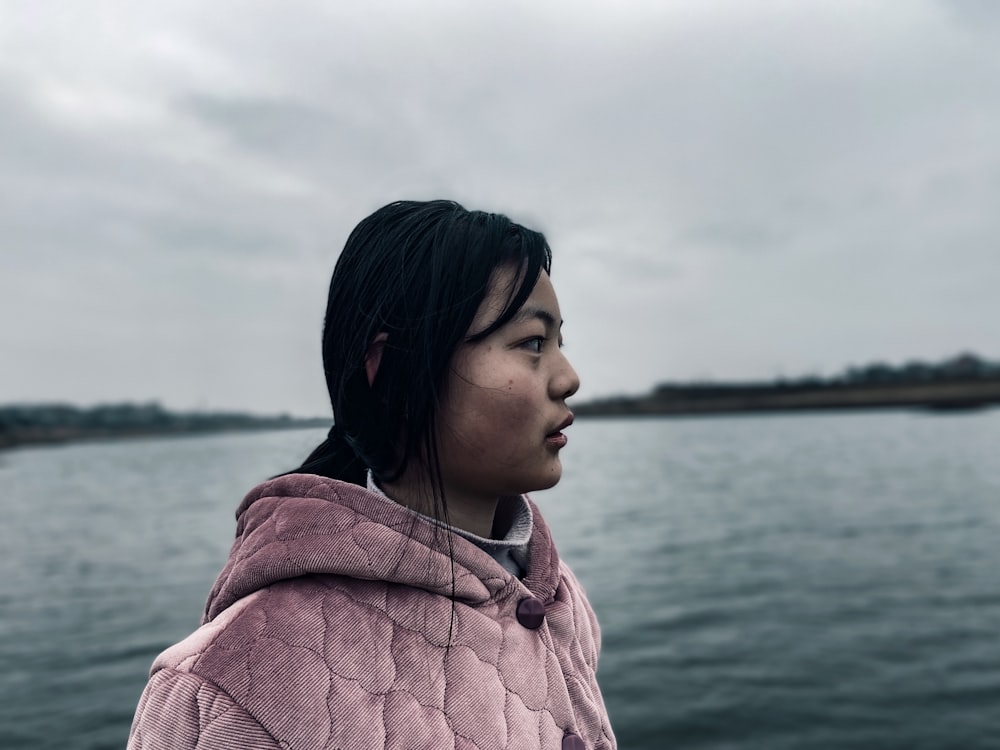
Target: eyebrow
529	313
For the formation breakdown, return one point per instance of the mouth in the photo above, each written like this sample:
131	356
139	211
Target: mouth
564	424
556	437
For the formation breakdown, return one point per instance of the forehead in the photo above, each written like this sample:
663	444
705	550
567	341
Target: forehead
503	285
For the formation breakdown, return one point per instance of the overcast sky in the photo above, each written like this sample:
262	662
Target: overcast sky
732	190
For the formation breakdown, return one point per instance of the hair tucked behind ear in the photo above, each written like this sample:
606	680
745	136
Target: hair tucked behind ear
416	272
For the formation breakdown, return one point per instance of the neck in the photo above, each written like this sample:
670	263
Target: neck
466	512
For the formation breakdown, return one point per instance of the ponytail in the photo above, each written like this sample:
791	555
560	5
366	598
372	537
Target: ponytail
335	458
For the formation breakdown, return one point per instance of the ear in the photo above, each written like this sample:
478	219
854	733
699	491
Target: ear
373	357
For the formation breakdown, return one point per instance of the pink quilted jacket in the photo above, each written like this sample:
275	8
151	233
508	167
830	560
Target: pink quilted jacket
340	621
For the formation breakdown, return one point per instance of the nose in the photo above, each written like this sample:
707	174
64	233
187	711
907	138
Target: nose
565	381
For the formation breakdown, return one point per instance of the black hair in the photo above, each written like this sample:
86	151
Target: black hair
416	272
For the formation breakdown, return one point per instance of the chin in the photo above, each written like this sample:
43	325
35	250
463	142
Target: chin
546	482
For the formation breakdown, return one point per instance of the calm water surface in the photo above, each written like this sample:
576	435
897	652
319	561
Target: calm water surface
825	581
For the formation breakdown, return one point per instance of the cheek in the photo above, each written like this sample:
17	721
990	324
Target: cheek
514	406
501	406
494	417
491	403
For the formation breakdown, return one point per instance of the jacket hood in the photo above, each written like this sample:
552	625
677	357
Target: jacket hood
302	524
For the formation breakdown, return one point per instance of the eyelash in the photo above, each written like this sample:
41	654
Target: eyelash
528	343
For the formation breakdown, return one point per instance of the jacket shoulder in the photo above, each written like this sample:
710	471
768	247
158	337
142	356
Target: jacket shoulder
185	654
182	711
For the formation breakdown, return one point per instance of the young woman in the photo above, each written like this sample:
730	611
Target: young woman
399	590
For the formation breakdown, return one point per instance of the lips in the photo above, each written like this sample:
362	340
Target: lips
562	425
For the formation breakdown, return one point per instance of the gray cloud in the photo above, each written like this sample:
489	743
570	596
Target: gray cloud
730	189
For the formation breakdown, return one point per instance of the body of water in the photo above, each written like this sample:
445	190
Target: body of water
765	582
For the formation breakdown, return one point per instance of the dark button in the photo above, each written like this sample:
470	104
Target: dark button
573	742
530	613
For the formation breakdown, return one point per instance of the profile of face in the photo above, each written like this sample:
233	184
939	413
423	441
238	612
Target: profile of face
503	405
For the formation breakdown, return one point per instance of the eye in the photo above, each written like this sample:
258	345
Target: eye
534	344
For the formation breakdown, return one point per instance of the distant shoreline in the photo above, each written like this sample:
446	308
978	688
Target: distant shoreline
706	399
56	424
965	382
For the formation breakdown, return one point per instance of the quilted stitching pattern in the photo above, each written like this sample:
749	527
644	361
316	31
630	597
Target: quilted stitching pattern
337	623
181	712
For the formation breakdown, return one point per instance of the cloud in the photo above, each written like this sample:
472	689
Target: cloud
729	188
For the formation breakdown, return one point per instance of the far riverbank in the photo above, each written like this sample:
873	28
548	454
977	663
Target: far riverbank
963	382
37	424
676	400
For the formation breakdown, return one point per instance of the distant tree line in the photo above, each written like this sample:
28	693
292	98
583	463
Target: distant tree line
963	380
960	382
965	367
36	423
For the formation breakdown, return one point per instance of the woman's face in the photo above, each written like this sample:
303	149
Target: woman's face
503	405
